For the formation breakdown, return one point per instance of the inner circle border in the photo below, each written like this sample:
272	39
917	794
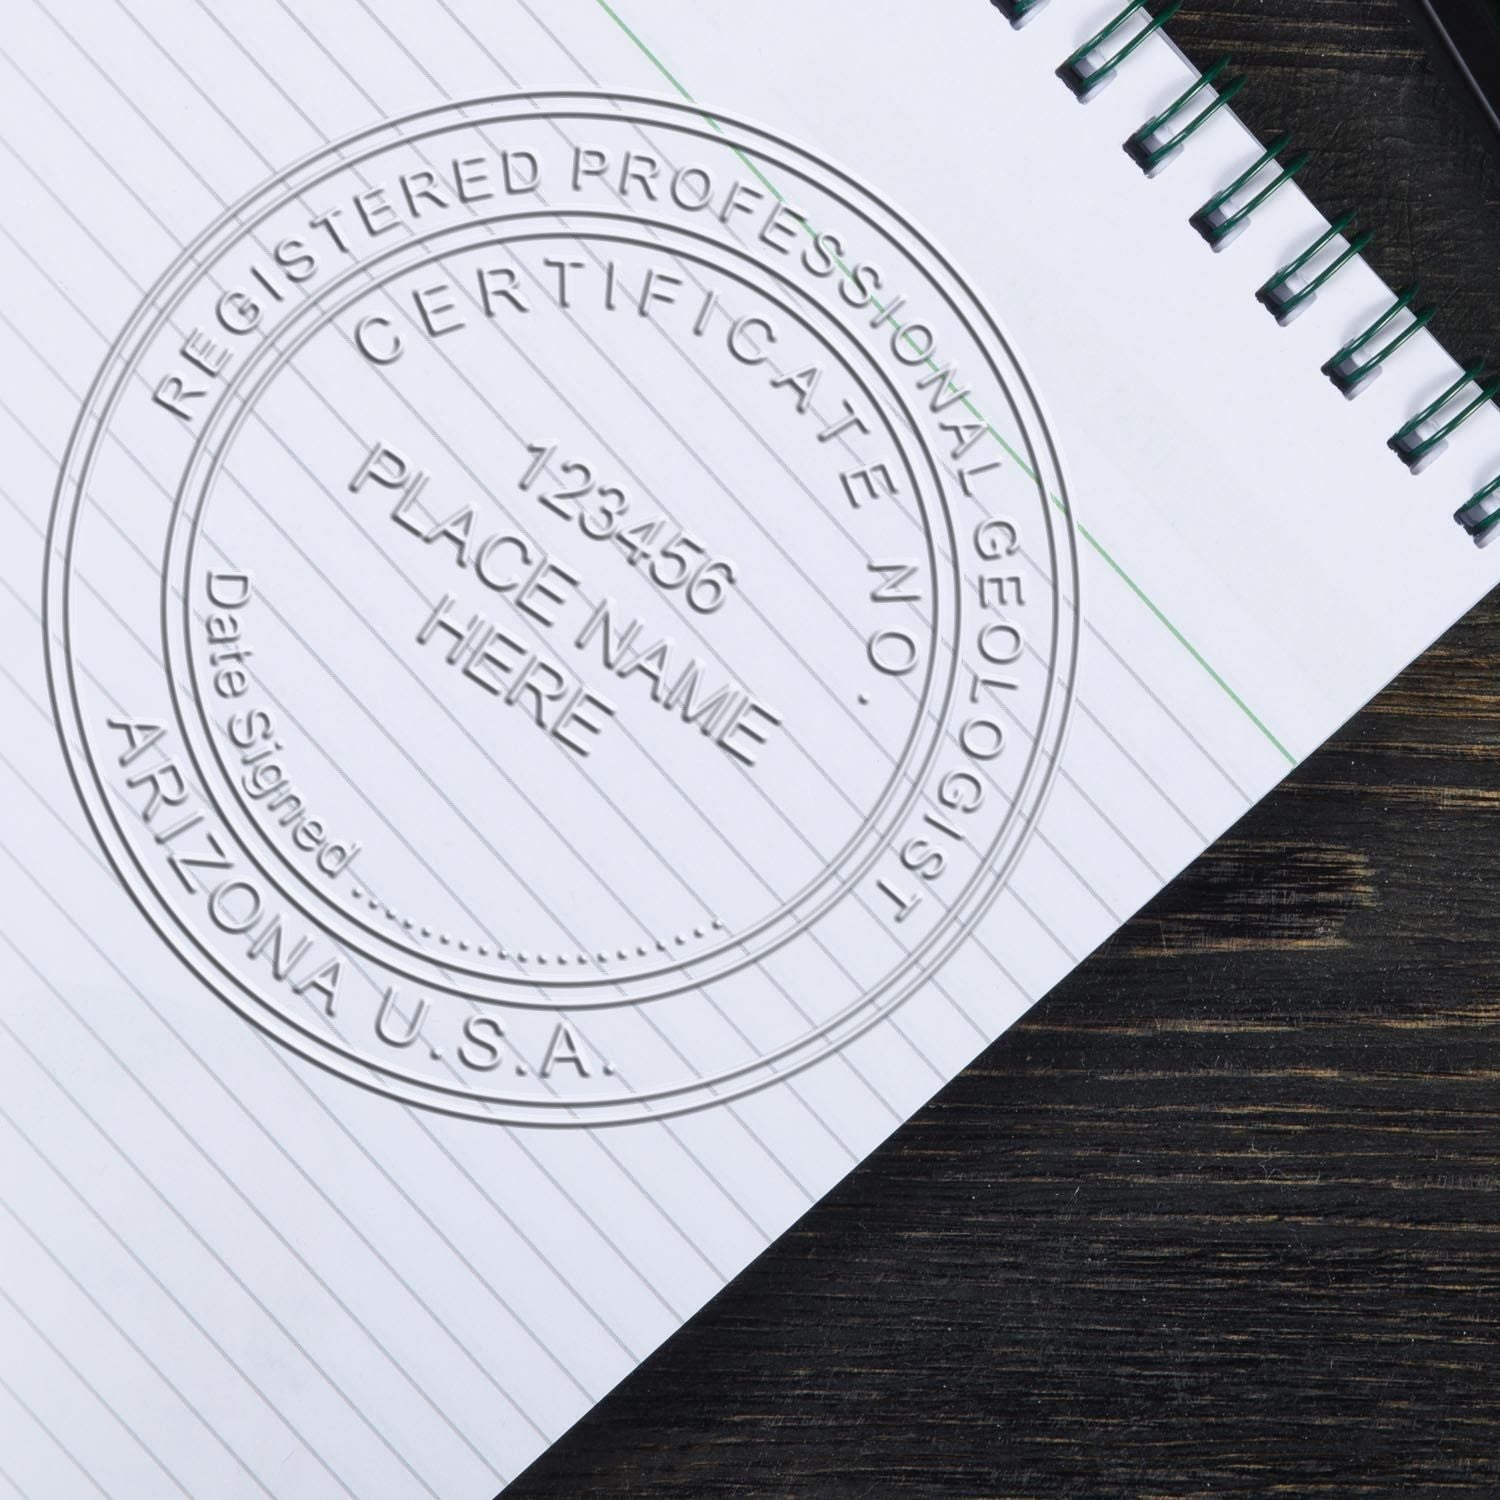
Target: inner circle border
1040	463
923	741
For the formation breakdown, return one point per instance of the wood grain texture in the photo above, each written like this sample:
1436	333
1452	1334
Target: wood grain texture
1222	1215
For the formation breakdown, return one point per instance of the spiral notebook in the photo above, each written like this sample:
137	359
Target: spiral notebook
599	596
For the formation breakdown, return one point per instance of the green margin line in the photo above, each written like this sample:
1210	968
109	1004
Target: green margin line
1083	531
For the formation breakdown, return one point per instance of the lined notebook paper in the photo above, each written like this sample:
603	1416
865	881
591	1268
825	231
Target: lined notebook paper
599	596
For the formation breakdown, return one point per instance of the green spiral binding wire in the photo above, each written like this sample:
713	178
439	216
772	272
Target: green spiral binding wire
1287	293
1415	446
1147	147
1086	80
1217	223
1285	297
1479	515
1348	371
1019	12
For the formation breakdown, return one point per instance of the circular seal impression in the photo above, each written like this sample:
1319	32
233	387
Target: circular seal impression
562	611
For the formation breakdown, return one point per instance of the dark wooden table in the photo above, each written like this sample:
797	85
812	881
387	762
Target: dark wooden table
1222	1215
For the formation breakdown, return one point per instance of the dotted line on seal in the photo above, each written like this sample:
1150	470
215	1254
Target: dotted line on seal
521	956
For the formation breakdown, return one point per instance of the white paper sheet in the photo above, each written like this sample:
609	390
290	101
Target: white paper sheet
364	1120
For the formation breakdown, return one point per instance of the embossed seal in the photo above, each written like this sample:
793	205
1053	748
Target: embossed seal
561	610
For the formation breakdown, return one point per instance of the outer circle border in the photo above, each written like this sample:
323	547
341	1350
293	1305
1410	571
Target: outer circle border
1043	468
